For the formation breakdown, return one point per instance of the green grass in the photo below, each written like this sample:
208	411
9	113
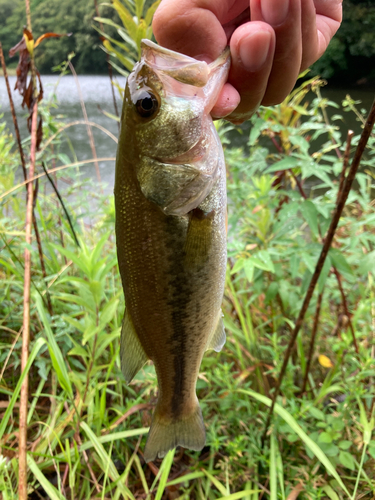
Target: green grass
320	443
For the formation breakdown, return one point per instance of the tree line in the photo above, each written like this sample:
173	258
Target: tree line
349	59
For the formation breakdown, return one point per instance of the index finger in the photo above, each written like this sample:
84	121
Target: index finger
194	27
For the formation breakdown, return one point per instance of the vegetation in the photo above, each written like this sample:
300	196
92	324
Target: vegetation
349	58
86	428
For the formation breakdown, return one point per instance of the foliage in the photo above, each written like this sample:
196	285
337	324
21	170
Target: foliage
351	54
61	17
136	21
87	428
349	57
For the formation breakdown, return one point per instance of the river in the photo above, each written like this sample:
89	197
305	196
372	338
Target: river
97	96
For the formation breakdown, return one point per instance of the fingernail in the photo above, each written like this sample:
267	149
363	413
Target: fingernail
274	12
254	49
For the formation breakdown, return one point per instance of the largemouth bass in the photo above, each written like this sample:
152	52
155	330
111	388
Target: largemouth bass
170	199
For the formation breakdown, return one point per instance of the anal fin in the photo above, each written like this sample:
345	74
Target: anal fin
218	337
133	357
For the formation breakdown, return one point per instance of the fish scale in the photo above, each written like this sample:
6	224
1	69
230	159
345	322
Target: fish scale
170	199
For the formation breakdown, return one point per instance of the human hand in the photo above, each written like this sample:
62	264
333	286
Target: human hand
283	38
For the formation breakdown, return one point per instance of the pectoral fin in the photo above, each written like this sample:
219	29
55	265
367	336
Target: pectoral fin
133	357
198	238
162	183
218	338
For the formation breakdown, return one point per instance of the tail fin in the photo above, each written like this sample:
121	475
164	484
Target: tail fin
188	432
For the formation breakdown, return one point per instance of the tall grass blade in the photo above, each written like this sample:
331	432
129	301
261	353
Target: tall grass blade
37	346
106	459
216	483
165	470
313	447
51	491
57	358
273	469
239	494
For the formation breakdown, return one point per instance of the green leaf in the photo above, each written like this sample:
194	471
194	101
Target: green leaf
347	460
339	261
4	421
266	258
300	142
315	412
238	265
51	491
325	437
185	478
332	495
258	124
273	469
150	12
324	274
271	291
249	270
165	469
106	460
57	358
285	164
309	443
126	18
310	214
240	494
216	483
367	263
344	444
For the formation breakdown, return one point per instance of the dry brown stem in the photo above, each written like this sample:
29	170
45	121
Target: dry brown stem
23	163
345	162
346	309
15	122
324	252
312	341
26	317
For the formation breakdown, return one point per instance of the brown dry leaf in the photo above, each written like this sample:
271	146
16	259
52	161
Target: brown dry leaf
39	133
293	495
50	35
23	66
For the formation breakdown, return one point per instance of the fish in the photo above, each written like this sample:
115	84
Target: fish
170	205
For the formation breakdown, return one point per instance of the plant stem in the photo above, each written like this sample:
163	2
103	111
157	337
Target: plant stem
345	163
345	305
312	341
324	252
62	204
359	471
26	316
89	131
14	116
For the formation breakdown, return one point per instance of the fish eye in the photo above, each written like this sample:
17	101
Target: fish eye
147	105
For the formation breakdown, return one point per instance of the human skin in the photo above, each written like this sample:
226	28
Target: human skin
271	42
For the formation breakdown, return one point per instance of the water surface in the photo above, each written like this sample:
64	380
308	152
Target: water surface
97	96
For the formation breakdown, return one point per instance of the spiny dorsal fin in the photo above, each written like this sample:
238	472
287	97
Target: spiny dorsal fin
133	357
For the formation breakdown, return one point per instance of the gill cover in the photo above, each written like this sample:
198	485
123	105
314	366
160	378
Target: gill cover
171	96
